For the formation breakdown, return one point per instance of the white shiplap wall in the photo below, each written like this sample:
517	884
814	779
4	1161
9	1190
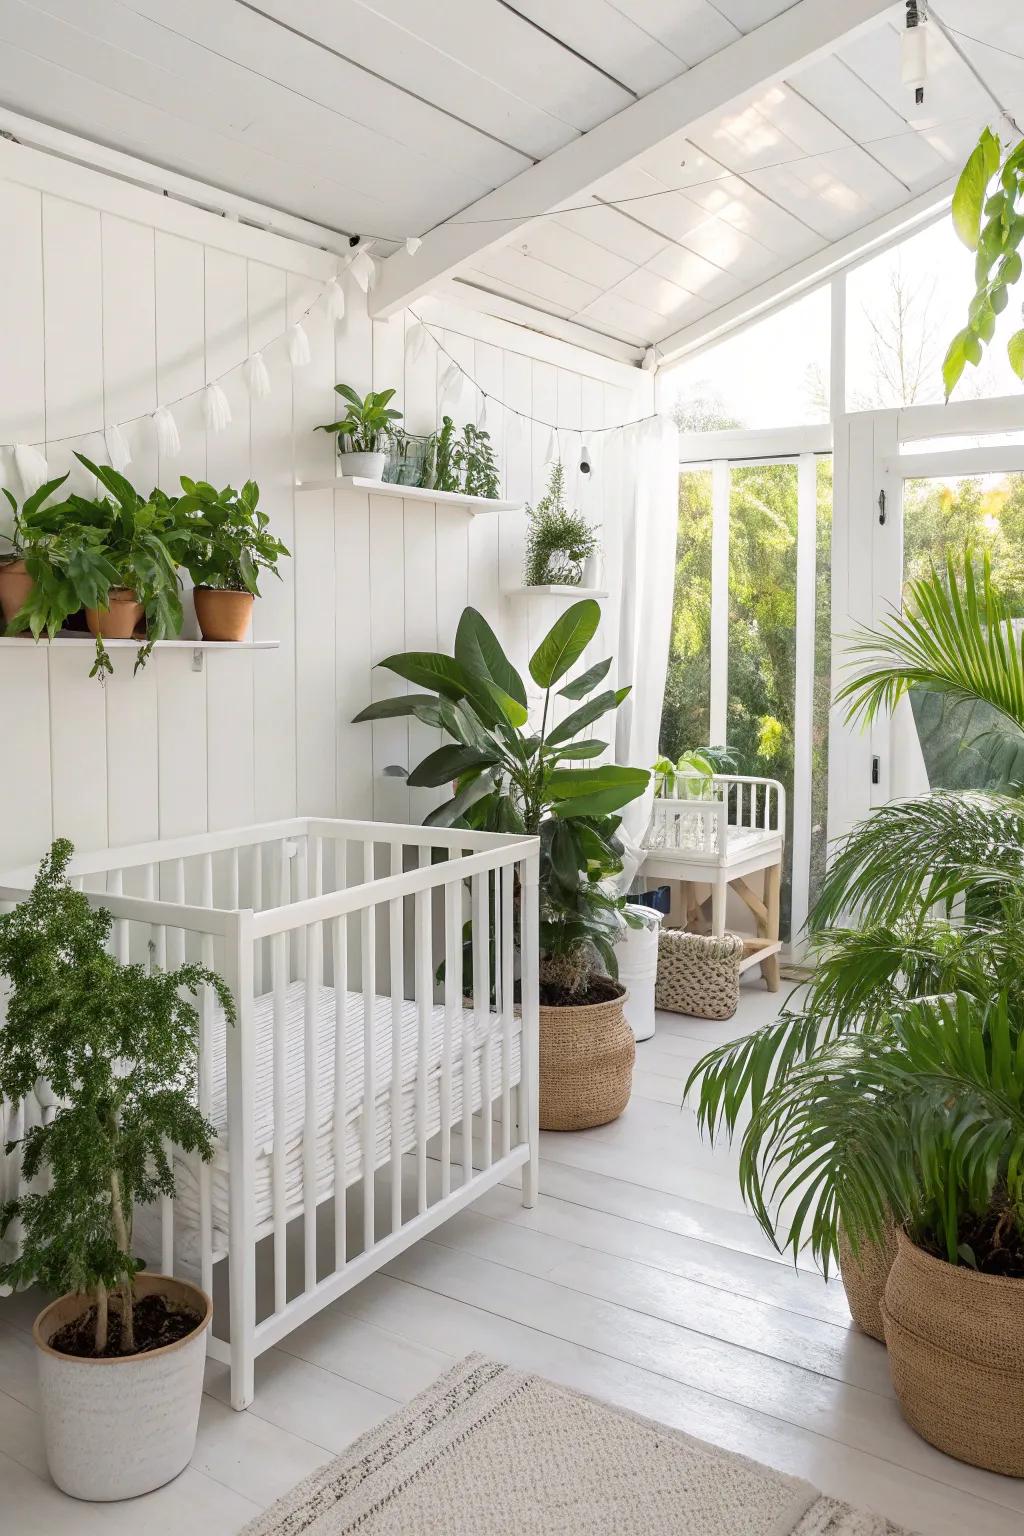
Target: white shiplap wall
115	300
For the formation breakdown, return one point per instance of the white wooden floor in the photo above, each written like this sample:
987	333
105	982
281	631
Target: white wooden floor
638	1278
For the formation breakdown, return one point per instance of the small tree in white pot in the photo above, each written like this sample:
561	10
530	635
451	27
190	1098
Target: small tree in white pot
120	1354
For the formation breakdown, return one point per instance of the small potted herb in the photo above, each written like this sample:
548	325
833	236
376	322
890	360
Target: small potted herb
559	542
15	576
120	1353
364	432
116	556
229	543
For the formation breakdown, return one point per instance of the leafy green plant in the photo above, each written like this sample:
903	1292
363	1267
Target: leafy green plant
77	550
699	763
229	540
558	541
895	1086
22	518
988	215
475	464
118	1047
510	777
368	423
446	477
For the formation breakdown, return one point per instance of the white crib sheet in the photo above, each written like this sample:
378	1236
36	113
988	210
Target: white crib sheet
684	839
489	1039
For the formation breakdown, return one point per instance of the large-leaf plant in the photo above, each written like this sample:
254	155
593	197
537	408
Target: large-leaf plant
511	775
368	423
988	215
229	540
892	1086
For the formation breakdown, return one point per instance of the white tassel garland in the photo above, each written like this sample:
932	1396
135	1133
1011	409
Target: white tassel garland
413	244
552	455
256	376
363	270
31	466
298	346
416	341
168	439
451	381
481	419
216	410
335	295
118	451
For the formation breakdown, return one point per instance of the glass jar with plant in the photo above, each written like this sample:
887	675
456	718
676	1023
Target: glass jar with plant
475	464
15	577
513	777
117	1045
891	1096
559	542
364	432
116	556
689	777
229	544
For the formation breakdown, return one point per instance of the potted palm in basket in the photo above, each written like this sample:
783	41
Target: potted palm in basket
120	1353
512	777
228	545
364	433
889	1106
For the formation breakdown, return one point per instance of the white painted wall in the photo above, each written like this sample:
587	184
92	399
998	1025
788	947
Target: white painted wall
115	300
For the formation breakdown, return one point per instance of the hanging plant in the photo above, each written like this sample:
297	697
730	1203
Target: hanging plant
988	215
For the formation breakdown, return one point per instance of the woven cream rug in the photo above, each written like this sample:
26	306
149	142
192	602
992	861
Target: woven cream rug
488	1451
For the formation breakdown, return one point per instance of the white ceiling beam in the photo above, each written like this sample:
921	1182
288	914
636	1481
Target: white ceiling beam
799	279
801	33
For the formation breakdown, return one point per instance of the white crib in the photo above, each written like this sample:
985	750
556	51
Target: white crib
727	828
359	1102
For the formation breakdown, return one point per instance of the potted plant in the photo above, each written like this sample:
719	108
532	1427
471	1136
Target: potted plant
15	577
364	432
228	544
511	777
120	1353
559	542
475	464
116	556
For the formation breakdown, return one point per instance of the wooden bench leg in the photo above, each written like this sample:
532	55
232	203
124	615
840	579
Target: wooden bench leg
719	892
772	884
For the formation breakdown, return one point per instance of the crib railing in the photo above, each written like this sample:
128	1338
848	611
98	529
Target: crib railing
427	932
704	819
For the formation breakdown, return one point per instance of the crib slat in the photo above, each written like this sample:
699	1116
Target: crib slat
279	980
310	1115
233	882
452	1004
467	1068
177	949
368	963
339	938
507	1003
482	1003
424	1008
396	940
209	1003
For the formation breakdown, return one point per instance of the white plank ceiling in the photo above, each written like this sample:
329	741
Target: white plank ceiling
388	117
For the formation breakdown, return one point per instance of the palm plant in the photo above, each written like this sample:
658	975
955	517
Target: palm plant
877	1096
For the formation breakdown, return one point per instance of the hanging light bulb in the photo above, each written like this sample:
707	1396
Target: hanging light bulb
915	52
413	244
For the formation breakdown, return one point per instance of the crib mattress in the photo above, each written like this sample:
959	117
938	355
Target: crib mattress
685	841
485	1039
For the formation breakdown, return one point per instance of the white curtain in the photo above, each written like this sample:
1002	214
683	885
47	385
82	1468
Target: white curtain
647	585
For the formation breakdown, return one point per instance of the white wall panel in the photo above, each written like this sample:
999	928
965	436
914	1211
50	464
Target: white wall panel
108	316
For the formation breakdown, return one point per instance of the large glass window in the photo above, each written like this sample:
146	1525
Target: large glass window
685	720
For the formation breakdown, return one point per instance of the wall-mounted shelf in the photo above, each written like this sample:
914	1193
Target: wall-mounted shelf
87	643
556	591
472	504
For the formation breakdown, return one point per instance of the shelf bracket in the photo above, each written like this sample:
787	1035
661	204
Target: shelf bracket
197	660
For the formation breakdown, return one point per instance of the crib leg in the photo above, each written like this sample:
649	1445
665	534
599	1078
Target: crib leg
243	1374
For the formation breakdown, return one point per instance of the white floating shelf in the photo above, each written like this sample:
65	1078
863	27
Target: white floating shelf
556	591
87	642
472	504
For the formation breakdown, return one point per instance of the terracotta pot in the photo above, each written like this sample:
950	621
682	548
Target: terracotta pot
120	619
15	586
864	1280
223	615
118	1427
956	1353
586	1064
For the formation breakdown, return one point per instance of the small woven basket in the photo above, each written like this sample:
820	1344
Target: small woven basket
956	1353
586	1065
697	974
864	1278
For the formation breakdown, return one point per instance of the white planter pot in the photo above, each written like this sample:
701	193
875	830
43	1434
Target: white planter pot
637	954
121	1427
368	466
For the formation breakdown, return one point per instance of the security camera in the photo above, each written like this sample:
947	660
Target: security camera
585	461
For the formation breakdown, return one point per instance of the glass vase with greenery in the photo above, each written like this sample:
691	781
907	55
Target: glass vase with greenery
893	1087
558	541
513	776
117	1045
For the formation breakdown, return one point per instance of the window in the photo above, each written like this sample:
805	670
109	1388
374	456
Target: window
903	308
685	720
775	373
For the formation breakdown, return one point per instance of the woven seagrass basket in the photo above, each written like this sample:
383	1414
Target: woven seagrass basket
697	974
586	1064
864	1280
956	1353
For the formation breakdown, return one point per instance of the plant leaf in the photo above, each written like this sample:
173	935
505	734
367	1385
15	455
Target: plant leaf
969	197
587	682
447	764
478	650
402	704
565	642
1015	352
585	715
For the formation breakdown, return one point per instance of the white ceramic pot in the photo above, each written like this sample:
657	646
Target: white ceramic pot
124	1426
593	571
637	954
368	466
